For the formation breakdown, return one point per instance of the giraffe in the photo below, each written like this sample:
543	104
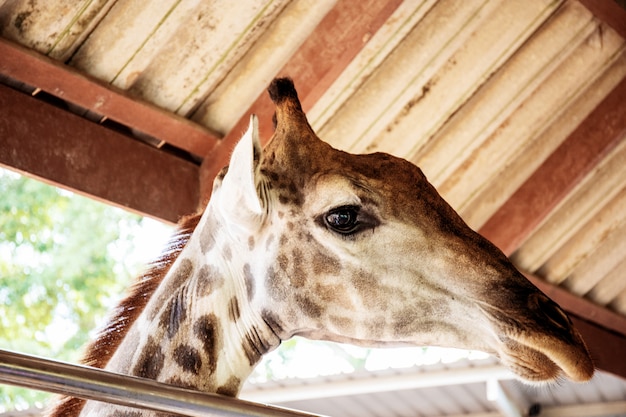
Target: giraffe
299	238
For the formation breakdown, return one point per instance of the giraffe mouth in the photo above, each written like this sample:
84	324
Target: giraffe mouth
540	348
528	363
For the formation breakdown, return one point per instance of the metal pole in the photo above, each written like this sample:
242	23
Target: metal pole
97	384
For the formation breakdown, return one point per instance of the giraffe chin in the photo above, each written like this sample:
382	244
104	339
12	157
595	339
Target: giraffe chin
545	361
530	365
539	342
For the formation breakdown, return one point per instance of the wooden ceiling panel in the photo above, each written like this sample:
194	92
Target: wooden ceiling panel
51	28
504	92
494	32
531	203
602	259
610	286
618	304
128	37
492	196
519	132
402	79
52	144
346	26
40	72
207	38
378	47
248	78
579	208
582	244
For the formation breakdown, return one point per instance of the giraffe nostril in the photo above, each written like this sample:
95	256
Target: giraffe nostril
552	311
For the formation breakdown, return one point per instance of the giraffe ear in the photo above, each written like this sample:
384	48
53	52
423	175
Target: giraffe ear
239	200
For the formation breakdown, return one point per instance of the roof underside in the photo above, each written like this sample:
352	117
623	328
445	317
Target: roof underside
514	109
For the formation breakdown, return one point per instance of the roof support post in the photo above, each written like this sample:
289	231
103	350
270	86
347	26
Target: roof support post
497	394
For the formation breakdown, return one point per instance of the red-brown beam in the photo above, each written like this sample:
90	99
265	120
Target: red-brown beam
600	132
314	67
61	148
609	12
581	307
63	81
606	347
603	330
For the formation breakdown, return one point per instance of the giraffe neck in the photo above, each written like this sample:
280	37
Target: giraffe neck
198	329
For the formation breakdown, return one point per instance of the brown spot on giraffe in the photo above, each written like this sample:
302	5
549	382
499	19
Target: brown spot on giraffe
249	281
209	331
174	313
297	275
283	262
179	382
207	237
254	346
233	309
180	274
367	287
273	321
269	242
188	358
209	279
308	306
227	253
343	324
230	388
325	263
274	285
151	360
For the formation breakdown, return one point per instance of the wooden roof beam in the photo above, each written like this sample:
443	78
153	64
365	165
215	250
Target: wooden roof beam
64	82
600	132
66	150
609	12
314	67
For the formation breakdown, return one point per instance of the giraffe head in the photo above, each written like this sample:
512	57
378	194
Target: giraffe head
362	249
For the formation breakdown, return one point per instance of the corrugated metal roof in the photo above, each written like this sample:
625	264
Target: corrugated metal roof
514	109
453	389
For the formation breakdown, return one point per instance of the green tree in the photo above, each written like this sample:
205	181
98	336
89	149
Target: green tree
63	265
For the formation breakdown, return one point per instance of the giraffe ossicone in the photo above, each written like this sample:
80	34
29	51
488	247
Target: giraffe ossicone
302	239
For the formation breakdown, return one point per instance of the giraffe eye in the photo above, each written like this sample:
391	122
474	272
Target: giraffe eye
343	220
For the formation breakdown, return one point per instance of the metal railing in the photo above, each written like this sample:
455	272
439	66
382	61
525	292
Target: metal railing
96	384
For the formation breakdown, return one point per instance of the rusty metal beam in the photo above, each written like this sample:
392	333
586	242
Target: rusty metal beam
560	173
314	67
62	81
41	140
